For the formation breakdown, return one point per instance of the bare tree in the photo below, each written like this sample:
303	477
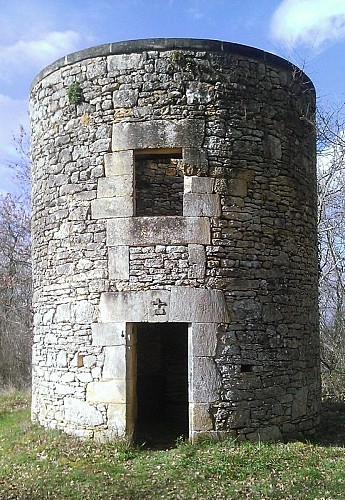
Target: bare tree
331	224
15	275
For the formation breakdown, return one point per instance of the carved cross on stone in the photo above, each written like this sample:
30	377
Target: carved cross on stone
159	307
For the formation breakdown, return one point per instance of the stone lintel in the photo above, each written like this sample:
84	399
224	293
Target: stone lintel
158	134
135	307
180	305
131	231
201	205
107	208
197	305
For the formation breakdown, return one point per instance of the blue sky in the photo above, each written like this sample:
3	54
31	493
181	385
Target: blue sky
34	33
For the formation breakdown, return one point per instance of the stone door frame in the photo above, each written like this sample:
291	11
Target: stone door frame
203	310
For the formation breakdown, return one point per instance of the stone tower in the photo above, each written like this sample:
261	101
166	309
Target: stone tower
174	242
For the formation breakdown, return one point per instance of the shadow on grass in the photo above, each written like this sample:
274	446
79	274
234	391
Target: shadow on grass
331	431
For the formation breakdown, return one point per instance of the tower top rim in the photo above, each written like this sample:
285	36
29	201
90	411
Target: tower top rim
165	44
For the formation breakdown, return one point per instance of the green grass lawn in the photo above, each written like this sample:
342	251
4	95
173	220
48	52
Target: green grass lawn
38	464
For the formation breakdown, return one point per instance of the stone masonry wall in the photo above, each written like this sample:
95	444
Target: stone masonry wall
158	187
239	264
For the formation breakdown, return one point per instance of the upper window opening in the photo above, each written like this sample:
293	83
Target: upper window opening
158	182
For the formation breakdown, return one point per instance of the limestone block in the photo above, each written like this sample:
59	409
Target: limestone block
100	146
199	436
118	263
181	304
299	403
61	358
96	373
119	163
64	389
84	377
247	309
63	231
268	434
199	417
106	208
83	312
196	159
274	147
116	418
89	361
201	205
80	433
109	391
194	184
205	381
158	134
107	334
188	305
135	307
81	413
114	363
62	313
48	317
196	261
115	185
158	231
122	62
105	435
50	338
125	98
199	92
203	339
67	377
237	187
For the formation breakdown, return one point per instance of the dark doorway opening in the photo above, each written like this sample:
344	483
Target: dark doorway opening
162	383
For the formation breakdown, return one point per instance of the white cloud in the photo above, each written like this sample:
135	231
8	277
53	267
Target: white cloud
16	59
13	113
309	22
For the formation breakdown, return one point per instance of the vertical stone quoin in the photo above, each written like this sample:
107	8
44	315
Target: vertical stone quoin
174	243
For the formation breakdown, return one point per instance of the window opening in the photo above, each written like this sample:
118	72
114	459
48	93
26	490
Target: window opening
246	368
158	182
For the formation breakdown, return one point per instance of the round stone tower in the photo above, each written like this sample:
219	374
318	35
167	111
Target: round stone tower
174	243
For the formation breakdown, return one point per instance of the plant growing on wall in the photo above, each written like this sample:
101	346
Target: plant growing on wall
75	93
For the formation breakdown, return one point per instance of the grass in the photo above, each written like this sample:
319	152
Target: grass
38	464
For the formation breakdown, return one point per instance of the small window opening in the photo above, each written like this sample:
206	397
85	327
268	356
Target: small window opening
158	182
246	368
